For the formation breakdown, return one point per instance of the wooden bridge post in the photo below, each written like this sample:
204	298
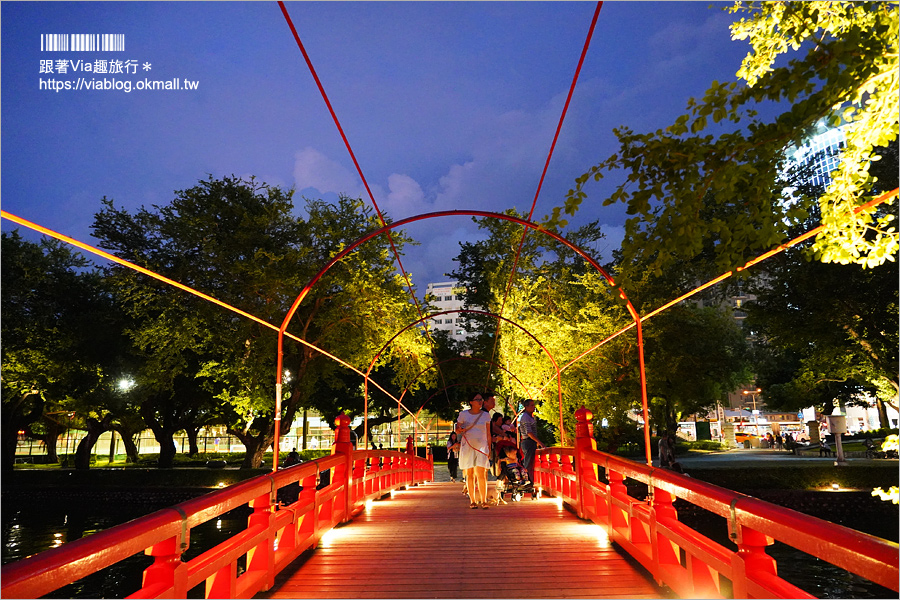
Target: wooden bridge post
664	552
411	457
585	471
751	557
343	445
544	480
168	570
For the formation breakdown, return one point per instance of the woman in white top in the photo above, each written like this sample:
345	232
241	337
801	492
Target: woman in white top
474	429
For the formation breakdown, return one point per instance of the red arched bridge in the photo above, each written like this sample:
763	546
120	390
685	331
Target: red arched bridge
354	539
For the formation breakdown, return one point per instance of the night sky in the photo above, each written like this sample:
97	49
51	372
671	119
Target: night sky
446	105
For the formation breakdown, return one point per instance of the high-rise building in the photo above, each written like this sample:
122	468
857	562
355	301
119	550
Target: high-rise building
820	152
448	296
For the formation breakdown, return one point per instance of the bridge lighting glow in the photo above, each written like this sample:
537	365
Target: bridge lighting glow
602	537
218	523
221	484
835	486
335	535
369	504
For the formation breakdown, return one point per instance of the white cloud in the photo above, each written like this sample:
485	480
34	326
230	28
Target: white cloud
405	197
312	169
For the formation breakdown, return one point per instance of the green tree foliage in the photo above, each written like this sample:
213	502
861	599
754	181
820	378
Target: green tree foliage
846	68
557	298
60	340
828	331
241	242
832	329
693	355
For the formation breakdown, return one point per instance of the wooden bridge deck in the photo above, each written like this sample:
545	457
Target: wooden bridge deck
427	543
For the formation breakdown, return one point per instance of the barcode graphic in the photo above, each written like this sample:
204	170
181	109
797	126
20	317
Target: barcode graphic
82	42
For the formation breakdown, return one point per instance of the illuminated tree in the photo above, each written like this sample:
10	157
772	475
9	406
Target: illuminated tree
60	339
847	68
241	242
827	331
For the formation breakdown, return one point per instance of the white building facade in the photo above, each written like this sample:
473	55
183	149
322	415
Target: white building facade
448	297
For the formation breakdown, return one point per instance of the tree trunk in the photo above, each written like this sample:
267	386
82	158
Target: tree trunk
164	433
256	446
49	438
15	420
94	429
167	451
193	449
131	451
883	420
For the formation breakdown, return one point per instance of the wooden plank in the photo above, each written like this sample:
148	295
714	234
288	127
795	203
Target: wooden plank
427	543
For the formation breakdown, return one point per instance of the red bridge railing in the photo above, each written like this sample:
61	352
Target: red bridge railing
275	534
683	559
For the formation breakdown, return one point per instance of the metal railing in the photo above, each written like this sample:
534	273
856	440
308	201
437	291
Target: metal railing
276	533
688	562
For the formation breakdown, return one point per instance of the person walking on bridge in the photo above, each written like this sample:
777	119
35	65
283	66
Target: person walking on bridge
452	455
474	429
528	433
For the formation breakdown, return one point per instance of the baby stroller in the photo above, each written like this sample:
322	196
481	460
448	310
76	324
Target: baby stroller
513	480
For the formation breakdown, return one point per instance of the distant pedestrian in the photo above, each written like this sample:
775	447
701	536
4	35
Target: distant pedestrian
453	455
292	459
824	448
666	452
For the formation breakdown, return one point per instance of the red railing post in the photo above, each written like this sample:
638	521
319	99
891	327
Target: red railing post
411	457
567	472
343	475
359	481
585	471
617	519
543	478
553	475
750	558
664	550
167	570
262	556
309	520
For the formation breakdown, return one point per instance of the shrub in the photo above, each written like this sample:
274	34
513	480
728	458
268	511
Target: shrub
707	445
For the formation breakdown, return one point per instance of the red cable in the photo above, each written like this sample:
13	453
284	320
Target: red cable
562	117
312	70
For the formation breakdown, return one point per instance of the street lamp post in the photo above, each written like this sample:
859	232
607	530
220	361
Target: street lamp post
753	394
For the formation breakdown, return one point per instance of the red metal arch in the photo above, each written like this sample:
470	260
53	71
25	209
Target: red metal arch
477	312
438	364
457	359
417	422
464	213
446	387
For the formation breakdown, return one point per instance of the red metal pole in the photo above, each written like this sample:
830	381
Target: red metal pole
644	408
278	371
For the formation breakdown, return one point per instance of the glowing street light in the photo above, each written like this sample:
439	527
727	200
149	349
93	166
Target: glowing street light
126	384
753	394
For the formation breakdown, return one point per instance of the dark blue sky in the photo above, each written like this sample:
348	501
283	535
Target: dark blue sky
447	105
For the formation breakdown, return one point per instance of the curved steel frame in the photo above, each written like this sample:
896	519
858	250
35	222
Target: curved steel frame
464	213
477	312
461	358
415	417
